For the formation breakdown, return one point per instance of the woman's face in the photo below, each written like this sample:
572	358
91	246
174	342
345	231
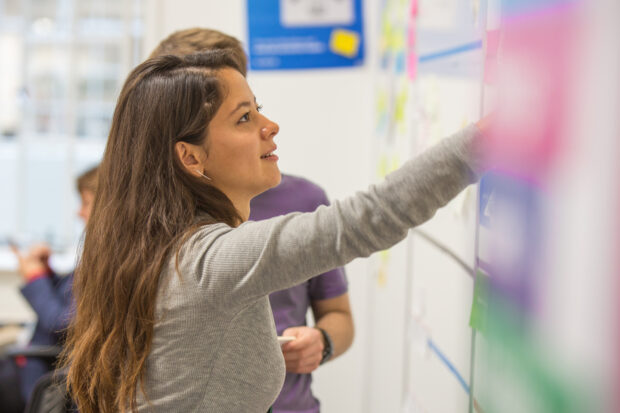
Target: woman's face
239	144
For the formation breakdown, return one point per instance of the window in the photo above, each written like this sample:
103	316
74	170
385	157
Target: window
63	64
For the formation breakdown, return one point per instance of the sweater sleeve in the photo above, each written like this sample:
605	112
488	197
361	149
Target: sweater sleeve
51	303
235	266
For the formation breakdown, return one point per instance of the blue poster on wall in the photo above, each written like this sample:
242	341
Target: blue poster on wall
304	34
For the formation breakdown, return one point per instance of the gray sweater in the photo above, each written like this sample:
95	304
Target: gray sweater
214	347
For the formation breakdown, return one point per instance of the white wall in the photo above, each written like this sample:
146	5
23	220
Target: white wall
326	120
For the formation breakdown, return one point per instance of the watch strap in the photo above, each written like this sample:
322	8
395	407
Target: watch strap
328	350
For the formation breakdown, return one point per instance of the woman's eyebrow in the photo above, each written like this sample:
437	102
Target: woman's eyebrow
240	105
245	103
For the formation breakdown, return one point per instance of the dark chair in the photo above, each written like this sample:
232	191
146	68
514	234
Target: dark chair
50	395
10	391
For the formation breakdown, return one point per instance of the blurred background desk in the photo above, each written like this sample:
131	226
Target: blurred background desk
15	313
9	335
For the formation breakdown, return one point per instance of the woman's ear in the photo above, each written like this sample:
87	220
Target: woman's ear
189	156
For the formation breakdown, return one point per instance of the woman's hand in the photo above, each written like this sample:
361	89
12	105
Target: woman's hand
486	123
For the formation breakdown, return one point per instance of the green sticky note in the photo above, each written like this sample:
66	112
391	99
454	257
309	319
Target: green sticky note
480	305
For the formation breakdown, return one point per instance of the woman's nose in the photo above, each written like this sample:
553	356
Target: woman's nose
270	130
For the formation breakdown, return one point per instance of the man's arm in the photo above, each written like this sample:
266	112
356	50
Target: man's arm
334	316
304	354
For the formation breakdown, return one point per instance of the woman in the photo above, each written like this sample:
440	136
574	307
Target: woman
172	310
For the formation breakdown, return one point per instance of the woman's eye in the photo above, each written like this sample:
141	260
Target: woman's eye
259	108
245	118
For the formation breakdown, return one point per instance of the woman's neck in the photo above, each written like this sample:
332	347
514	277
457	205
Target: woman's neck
242	205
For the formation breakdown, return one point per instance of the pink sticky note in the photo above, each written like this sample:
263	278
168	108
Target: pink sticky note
411	35
490	70
534	91
412	65
490	59
492	42
412	57
413	9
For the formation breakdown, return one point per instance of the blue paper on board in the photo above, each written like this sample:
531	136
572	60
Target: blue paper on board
302	34
516	7
486	200
511	209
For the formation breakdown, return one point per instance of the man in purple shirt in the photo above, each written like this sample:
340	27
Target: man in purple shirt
325	294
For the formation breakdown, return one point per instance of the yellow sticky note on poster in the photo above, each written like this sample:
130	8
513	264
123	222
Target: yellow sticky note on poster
344	42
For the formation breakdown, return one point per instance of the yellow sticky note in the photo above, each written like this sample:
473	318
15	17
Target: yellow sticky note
382	277
344	42
385	256
382	167
395	163
397	42
384	265
400	106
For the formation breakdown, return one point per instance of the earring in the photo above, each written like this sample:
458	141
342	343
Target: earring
203	175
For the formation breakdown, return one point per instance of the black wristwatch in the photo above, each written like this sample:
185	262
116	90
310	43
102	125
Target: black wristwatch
328	349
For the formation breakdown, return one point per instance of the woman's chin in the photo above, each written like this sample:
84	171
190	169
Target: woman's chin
272	183
277	180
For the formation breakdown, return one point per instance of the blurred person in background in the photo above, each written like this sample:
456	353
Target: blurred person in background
49	294
326	294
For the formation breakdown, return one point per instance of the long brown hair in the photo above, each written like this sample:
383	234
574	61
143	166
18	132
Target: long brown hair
146	204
